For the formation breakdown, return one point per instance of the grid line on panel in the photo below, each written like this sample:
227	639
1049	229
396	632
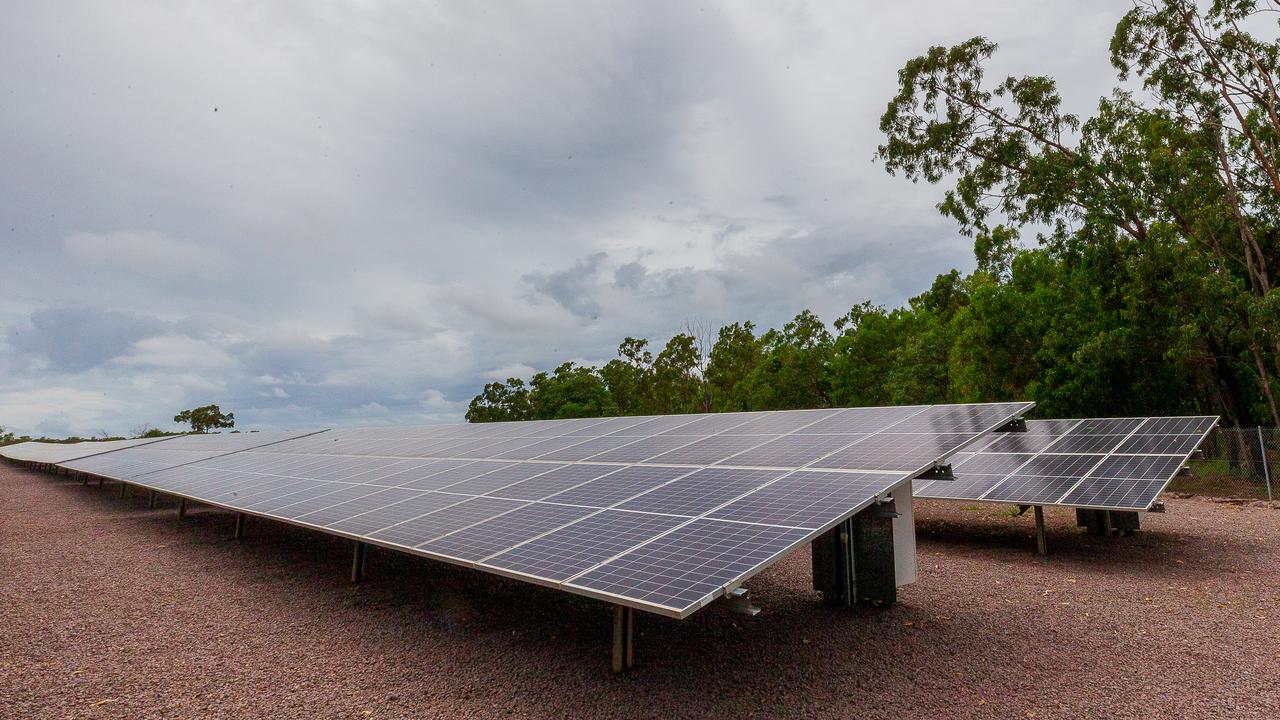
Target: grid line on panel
564	477
494	535
564	552
684	566
421	529
1080	480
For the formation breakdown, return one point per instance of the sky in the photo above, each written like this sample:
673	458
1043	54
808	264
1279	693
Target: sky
322	214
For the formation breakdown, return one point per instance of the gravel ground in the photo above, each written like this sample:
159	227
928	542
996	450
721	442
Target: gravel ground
108	609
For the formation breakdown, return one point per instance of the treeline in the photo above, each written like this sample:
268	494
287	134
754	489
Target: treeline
1150	288
1059	330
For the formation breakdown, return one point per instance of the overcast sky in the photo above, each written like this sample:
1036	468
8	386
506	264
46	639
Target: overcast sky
318	214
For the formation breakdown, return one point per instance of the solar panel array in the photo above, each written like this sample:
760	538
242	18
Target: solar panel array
659	513
1100	463
54	453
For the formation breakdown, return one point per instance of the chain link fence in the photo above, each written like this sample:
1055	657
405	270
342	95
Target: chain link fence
1235	462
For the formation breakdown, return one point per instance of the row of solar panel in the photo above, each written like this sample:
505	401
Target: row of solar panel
662	536
894	452
519	518
1112	463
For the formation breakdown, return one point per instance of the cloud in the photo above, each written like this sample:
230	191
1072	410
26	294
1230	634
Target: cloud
314	214
74	339
177	352
146	253
569	287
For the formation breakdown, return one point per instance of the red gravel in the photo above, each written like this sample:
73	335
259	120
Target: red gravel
108	609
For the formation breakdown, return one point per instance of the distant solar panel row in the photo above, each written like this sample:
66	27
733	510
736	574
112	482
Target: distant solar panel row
659	513
54	453
1104	463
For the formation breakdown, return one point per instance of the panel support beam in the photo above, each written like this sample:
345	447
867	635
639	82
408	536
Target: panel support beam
182	508
623	638
124	486
357	562
151	500
1042	548
239	533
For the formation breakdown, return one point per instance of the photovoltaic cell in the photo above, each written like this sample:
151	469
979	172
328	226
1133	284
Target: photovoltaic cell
425	528
374	512
643	449
1086	444
966	485
792	450
690	564
553	481
704	490
575	548
894	451
808	499
711	450
618	486
505	531
499	478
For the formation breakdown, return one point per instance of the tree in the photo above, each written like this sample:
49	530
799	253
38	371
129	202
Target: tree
731	362
206	418
7	437
570	391
501	402
1194	168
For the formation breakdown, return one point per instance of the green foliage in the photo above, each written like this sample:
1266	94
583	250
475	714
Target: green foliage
206	418
8	438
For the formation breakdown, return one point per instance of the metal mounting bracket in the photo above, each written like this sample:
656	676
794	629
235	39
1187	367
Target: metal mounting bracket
1018	424
739	602
939	471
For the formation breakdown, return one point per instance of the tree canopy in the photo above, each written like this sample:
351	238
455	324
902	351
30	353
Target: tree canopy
206	418
1125	258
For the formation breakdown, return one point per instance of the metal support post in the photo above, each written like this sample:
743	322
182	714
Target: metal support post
151	500
123	487
1041	546
100	482
357	562
623	638
84	479
1266	470
182	508
239	527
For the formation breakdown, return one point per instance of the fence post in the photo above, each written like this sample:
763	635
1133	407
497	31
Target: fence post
1266	471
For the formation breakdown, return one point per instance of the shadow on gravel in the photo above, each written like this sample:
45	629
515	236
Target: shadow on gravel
1150	553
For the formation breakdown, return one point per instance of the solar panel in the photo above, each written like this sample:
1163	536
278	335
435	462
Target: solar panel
135	461
54	453
1099	463
657	513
